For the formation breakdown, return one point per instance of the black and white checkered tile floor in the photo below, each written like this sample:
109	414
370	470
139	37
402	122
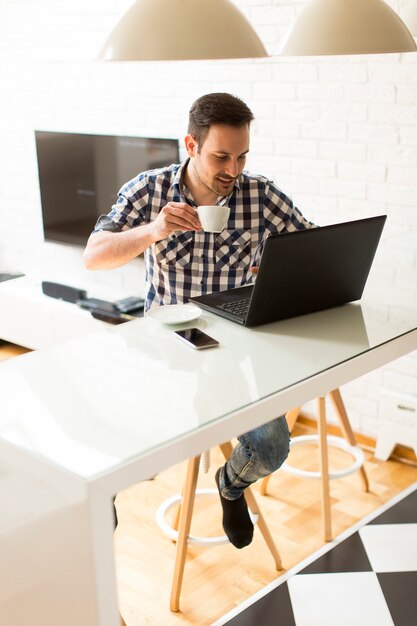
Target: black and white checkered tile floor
366	577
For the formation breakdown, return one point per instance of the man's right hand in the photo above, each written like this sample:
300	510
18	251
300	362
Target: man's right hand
106	250
175	216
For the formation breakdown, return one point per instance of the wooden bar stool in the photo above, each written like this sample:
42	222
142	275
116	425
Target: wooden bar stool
350	446
183	524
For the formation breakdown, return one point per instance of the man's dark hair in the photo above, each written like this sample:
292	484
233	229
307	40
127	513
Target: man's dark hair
217	108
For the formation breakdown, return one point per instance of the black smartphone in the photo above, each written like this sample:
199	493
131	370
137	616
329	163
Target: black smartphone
195	338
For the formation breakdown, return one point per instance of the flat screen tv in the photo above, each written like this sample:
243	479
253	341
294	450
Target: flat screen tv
80	175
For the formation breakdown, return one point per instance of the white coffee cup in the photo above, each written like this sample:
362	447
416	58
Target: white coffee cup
213	218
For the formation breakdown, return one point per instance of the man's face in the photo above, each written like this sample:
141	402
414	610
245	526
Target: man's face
221	158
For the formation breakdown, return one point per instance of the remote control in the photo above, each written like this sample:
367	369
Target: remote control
129	304
95	303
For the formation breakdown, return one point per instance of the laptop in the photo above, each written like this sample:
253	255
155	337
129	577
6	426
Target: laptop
302	272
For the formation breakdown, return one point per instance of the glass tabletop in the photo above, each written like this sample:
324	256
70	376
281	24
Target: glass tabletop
91	404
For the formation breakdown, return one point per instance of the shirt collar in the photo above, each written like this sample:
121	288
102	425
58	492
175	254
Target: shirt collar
177	182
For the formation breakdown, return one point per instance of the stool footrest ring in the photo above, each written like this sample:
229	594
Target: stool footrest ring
337	442
173	534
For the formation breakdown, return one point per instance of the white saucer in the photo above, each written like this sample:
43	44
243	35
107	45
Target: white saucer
174	313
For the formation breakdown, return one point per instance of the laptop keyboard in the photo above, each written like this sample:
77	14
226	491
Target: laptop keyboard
238	307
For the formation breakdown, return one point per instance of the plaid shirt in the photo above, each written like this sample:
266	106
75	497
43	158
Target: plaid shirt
192	263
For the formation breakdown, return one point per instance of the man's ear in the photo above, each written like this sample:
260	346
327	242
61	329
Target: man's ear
191	145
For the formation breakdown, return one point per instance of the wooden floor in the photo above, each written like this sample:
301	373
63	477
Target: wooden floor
216	579
8	350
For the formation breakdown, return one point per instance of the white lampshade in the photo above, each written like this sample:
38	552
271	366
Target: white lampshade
347	27
165	30
409	16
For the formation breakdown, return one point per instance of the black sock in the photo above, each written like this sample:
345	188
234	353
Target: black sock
236	521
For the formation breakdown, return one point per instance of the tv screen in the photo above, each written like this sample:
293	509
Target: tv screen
80	175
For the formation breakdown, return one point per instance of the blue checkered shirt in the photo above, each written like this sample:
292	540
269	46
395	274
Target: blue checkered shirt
192	263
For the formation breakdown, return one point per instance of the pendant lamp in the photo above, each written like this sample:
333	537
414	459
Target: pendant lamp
167	30
410	17
347	27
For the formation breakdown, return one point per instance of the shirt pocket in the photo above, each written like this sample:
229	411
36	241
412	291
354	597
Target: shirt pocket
176	250
233	249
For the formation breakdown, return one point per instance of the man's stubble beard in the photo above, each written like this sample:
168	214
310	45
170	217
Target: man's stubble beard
205	184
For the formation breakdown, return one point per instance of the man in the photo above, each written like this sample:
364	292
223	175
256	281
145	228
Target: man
156	214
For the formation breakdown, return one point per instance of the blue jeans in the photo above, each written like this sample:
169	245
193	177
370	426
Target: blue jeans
259	452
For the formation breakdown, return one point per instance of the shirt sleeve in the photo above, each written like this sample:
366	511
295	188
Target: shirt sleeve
280	214
131	208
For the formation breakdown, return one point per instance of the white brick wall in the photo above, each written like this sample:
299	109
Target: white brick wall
338	134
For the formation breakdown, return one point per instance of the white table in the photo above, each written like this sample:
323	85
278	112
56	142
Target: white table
30	318
87	418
